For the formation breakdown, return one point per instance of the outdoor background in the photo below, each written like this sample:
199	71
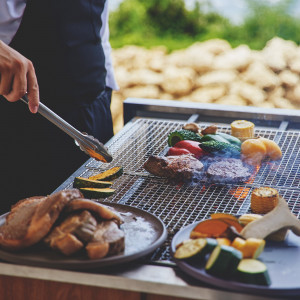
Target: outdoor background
232	52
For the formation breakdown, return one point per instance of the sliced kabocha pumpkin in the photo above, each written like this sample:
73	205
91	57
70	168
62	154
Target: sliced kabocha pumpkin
216	228
96	193
81	182
107	175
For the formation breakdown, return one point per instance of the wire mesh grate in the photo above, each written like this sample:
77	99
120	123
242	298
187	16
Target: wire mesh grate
178	206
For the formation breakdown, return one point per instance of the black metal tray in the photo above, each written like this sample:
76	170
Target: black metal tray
281	258
143	234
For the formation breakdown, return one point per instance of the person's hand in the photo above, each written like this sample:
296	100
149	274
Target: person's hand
17	77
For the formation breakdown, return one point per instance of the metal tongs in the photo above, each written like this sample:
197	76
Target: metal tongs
87	143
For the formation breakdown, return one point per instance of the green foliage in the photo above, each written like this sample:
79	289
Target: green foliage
168	22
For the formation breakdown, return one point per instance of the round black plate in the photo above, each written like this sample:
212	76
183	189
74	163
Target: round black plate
143	234
281	258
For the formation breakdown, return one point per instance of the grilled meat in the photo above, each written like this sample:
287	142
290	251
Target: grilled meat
31	219
99	209
179	168
228	170
108	240
69	236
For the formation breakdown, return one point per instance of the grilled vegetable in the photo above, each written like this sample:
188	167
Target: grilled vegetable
253	271
107	175
213	137
194	248
223	216
263	199
185	147
278	218
215	228
250	248
277	236
221	149
273	150
231	139
176	136
95	193
242	129
80	182
191	127
253	151
223	261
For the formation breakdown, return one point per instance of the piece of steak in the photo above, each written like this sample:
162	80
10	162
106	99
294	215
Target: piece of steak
73	231
108	240
31	219
228	170
178	168
98	209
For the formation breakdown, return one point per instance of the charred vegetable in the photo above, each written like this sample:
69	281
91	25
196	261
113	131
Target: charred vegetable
176	136
107	175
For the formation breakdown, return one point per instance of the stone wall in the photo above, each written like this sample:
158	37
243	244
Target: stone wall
210	72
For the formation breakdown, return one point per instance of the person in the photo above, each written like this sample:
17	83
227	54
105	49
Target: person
57	52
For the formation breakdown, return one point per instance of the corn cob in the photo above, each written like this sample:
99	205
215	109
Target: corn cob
242	129
263	200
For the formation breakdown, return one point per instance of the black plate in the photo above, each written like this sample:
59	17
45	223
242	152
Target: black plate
143	234
281	258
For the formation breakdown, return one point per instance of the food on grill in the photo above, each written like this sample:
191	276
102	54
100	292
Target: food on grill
108	175
212	129
97	193
69	236
179	168
215	228
250	248
242	129
230	138
228	170
223	261
183	134
263	199
221	148
191	127
253	271
31	219
213	137
108	239
173	151
273	150
80	182
253	151
195	248
278	218
186	147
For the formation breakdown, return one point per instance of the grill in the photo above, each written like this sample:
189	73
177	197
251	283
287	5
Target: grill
178	206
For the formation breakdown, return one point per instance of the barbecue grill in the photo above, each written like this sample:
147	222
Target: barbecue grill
147	125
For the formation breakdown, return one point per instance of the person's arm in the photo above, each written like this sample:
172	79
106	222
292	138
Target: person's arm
17	77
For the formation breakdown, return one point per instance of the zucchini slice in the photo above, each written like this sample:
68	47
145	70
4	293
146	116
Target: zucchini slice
194	248
108	175
253	271
223	261
95	193
81	182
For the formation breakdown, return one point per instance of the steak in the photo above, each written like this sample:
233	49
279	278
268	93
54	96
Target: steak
99	209
31	219
228	170
179	168
69	236
108	240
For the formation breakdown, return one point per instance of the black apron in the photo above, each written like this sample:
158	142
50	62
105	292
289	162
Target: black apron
61	38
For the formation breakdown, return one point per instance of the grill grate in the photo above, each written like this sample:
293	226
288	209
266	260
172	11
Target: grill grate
179	206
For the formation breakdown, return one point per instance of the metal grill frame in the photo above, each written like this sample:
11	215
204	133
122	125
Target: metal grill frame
180	206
